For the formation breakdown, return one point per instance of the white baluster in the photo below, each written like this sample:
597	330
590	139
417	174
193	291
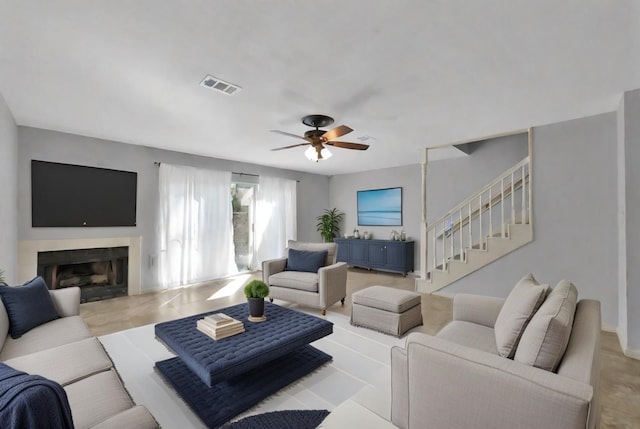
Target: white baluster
470	234
480	221
444	247
523	212
451	237
435	246
502	207
513	200
461	235
490	214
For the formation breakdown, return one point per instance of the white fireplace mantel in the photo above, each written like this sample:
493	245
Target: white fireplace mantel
28	255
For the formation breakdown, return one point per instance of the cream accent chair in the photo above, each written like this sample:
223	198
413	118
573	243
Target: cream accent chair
319	290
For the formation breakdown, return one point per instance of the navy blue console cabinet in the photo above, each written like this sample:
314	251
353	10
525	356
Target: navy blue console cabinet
384	255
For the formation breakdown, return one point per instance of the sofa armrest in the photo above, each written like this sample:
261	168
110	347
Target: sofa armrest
399	387
66	301
332	283
479	309
272	266
450	385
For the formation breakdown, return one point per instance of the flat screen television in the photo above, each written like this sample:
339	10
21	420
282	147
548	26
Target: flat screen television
380	207
66	195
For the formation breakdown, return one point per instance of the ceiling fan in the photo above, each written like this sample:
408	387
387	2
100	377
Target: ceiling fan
318	138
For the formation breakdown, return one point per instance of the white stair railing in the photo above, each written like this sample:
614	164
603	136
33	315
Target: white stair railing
506	200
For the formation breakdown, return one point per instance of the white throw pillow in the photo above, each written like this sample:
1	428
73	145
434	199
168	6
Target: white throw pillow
523	301
545	339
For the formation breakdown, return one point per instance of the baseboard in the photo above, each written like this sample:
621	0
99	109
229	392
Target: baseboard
610	328
632	353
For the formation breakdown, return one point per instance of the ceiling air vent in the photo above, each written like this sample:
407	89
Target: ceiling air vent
219	85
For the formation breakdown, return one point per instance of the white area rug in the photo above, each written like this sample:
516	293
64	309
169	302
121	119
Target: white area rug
360	370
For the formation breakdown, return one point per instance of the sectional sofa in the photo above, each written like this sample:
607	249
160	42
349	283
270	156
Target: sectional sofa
63	350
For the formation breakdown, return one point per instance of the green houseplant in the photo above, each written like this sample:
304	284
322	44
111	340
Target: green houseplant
256	291
329	224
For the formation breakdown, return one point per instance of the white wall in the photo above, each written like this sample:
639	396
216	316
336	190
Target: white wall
575	216
8	193
622	226
632	230
313	193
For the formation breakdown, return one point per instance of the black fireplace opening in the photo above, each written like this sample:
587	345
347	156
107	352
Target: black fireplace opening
100	273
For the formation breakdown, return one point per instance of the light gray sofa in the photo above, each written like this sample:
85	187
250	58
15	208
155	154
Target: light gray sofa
457	379
64	350
319	289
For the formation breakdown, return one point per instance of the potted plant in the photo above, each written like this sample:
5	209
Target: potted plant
256	291
329	224
2	281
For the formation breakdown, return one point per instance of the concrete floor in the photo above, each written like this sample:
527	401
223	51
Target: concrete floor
619	376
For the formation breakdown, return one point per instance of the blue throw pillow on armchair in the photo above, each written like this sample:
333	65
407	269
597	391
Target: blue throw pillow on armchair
306	260
28	306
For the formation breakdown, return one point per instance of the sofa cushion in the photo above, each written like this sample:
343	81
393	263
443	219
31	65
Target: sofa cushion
55	333
295	280
28	306
96	398
470	334
67	363
137	417
523	301
545	339
305	260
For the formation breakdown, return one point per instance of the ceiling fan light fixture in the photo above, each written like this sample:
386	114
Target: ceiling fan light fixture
312	154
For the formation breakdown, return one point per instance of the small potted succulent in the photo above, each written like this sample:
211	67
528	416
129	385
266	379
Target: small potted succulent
256	291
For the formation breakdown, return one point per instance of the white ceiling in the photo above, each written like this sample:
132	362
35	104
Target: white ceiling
408	73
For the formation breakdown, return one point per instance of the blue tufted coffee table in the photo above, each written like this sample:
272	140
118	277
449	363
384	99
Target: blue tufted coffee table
219	379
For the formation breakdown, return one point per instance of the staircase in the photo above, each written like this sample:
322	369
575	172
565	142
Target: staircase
493	222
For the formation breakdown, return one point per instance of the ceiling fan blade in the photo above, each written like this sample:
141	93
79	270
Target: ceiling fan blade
337	132
348	145
289	147
284	133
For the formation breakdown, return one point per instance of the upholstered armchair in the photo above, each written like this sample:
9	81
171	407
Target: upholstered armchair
308	276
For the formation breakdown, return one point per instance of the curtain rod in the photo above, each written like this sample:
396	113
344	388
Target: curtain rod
233	172
158	163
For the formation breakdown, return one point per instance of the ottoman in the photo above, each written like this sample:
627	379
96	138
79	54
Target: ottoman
386	309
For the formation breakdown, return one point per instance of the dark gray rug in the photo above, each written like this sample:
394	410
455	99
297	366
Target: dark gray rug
288	419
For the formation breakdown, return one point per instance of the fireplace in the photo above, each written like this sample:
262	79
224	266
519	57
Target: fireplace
101	273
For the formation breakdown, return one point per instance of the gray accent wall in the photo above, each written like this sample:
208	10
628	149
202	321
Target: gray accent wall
343	192
8	193
575	216
451	181
34	143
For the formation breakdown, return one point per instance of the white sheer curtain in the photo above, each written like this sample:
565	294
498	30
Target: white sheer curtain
275	217
196	229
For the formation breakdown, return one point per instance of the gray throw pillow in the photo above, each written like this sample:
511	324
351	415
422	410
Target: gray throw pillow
545	339
28	306
523	301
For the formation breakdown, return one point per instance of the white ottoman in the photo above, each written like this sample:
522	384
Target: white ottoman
386	309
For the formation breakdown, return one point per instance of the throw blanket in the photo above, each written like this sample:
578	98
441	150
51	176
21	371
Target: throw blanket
32	402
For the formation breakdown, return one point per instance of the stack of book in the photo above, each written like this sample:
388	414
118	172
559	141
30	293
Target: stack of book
219	325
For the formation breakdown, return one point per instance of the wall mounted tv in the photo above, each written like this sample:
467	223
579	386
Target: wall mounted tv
380	207
65	195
